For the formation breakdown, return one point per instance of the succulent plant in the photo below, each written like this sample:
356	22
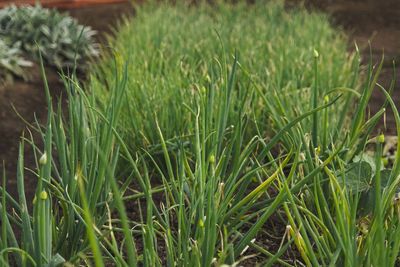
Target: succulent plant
11	60
59	36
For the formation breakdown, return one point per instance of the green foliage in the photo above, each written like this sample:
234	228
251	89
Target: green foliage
293	78
72	180
350	211
59	36
11	60
225	143
173	47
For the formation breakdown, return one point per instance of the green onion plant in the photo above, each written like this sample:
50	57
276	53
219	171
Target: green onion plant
73	171
202	124
171	45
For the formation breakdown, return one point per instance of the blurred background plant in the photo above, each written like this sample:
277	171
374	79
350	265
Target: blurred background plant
62	41
12	61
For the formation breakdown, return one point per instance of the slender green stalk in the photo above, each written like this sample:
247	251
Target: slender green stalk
98	259
315	100
3	217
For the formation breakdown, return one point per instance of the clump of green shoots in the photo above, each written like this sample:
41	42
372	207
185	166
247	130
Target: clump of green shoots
171	45
349	215
75	173
214	182
198	124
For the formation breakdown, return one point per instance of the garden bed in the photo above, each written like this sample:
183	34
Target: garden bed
360	23
29	97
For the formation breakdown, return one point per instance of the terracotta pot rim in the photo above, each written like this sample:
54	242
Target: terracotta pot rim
59	3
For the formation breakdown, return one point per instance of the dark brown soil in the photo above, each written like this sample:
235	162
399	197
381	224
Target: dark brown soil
379	22
375	20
